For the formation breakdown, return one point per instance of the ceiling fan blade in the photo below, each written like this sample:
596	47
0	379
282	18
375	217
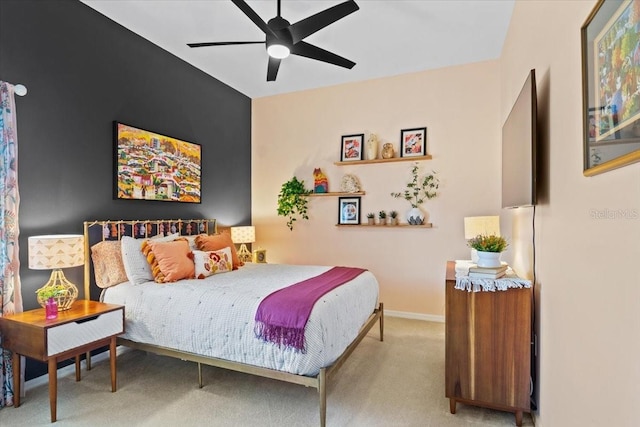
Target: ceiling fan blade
310	25
314	52
243	6
272	69
220	44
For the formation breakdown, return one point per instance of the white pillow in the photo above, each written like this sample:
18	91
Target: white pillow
212	262
135	263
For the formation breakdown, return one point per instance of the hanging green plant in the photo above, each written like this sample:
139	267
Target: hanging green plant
292	201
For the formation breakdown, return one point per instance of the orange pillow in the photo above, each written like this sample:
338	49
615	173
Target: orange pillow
169	261
216	242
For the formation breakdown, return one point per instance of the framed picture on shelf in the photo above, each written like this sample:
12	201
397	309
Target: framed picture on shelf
610	99
349	210
151	166
413	142
352	147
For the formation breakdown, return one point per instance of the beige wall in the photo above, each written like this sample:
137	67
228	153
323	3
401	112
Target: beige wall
294	133
588	293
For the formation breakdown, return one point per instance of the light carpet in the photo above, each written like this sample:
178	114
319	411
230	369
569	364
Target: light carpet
398	382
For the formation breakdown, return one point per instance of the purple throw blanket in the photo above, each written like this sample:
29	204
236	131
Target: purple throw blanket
283	315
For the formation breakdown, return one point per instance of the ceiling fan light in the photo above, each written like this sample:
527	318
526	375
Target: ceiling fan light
278	51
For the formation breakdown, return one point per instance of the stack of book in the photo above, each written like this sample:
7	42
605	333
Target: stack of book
488	272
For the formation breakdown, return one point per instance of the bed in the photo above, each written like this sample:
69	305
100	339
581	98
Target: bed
212	320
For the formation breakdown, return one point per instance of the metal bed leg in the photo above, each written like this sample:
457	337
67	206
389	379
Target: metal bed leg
322	391
381	308
199	375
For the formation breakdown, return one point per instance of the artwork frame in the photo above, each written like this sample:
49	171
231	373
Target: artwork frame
610	76
352	147
349	210
413	142
151	166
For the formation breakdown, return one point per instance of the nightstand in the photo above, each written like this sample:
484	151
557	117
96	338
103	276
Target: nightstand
86	326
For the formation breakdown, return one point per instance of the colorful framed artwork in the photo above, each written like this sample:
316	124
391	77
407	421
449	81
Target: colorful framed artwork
610	86
349	210
413	142
352	147
151	166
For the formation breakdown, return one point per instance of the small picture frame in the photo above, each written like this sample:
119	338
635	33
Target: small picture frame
413	142
259	256
352	147
349	210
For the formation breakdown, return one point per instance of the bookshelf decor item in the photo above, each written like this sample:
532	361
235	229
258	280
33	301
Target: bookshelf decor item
610	107
352	147
413	142
349	210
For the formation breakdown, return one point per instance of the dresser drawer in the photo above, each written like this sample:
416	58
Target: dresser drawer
75	334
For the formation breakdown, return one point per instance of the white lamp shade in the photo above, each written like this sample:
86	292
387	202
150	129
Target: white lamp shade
486	225
56	251
245	234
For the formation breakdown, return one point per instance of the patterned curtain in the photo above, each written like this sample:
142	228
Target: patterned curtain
10	297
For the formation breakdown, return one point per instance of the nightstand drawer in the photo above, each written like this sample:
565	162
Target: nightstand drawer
75	334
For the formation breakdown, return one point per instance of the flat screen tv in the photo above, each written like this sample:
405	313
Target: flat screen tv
519	145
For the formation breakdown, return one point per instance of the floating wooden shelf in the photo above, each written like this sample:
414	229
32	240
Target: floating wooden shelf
337	194
427	225
394	159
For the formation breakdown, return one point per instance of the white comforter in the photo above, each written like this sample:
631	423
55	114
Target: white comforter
215	316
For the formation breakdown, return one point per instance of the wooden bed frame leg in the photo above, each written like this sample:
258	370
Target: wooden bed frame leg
519	418
381	308
199	375
322	391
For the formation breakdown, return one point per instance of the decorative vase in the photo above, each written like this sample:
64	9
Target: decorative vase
489	259
372	147
415	216
51	308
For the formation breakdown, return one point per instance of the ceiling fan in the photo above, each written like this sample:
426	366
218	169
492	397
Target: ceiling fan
284	38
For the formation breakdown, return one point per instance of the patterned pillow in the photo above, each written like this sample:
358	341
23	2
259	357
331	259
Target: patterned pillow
135	263
212	262
107	263
169	261
219	241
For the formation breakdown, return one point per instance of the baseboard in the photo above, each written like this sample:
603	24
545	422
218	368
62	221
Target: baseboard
416	316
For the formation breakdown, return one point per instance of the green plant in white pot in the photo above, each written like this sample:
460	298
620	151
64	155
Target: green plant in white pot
416	192
489	248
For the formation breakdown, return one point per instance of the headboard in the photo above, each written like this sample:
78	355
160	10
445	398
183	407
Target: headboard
97	231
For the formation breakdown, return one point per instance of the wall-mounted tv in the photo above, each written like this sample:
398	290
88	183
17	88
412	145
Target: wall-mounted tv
519	146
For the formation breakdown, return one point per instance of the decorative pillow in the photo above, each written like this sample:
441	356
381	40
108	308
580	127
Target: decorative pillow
216	242
212	262
169	261
192	241
108	268
135	263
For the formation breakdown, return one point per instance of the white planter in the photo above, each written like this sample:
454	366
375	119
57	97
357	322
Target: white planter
489	259
415	216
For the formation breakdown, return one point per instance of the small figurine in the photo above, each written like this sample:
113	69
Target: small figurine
321	184
387	151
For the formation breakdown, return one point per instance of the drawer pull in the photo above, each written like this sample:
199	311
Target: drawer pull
88	319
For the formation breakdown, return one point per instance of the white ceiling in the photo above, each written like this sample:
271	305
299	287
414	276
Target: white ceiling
383	38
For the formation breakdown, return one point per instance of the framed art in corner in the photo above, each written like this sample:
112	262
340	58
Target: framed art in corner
348	210
610	96
352	147
151	166
413	142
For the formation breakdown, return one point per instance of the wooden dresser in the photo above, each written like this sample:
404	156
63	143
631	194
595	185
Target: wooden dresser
488	348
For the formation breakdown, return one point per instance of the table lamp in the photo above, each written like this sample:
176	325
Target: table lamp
476	225
55	252
242	236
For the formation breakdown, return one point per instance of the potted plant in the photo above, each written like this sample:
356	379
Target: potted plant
489	249
292	201
394	217
416	192
371	218
383	217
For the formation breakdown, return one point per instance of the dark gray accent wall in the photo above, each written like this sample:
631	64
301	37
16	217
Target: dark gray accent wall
83	71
